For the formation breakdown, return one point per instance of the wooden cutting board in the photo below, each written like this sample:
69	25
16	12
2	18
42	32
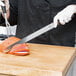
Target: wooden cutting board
44	60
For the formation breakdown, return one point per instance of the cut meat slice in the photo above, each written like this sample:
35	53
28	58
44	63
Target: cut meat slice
7	42
18	49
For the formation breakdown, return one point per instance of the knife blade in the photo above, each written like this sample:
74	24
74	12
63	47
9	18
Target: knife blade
33	35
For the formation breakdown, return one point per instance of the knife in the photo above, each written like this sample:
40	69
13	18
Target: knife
32	36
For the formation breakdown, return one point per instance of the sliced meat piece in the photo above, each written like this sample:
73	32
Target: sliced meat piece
18	49
7	42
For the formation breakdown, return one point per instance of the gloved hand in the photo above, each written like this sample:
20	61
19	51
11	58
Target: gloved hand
65	15
6	3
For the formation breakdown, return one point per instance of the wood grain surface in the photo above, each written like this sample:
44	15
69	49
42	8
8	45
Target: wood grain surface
44	60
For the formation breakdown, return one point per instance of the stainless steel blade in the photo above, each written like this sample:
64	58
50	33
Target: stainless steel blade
33	35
